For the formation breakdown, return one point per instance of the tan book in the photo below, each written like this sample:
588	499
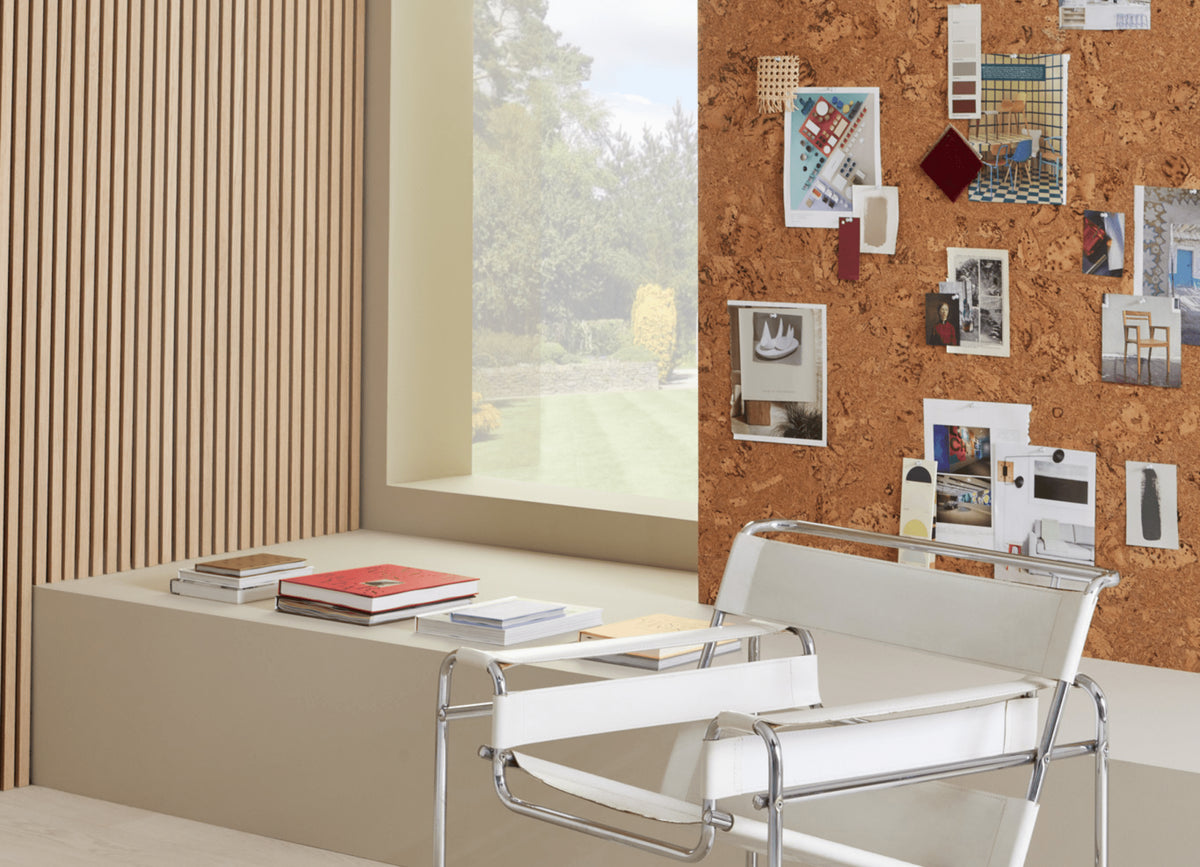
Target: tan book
250	564
653	624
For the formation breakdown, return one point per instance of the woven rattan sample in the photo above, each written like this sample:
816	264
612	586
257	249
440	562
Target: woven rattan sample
777	78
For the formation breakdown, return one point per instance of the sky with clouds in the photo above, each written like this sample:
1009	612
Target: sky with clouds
643	52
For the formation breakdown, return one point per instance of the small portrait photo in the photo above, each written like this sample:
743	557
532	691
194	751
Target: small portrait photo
942	325
1103	244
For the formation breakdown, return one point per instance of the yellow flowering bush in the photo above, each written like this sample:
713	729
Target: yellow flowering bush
653	325
485	418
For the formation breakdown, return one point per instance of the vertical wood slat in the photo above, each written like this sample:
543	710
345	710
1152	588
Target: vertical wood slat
192	482
127	433
218	283
30	519
73	242
181	491
346	254
262	521
146	335
153	329
319	313
86	277
293	293
287	74
354	415
60	299
205	351
15	44
167	281
232	505
180	194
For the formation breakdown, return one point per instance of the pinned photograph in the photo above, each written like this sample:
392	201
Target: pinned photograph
962	450
778	391
1104	14
962	439
964	500
1166	251
983	312
830	145
941	319
1046	498
1151	505
964	464
1103	244
1021	133
1140	341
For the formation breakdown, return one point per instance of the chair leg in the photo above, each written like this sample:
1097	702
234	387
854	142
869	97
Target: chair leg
751	859
1101	703
439	763
774	793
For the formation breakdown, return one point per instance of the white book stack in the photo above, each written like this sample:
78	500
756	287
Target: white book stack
250	578
510	620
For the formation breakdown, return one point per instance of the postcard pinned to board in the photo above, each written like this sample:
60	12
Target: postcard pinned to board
962	437
830	145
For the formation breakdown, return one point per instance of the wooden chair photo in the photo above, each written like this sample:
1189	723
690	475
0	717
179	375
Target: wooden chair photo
1134	322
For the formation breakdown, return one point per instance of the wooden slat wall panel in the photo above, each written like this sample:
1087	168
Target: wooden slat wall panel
180	209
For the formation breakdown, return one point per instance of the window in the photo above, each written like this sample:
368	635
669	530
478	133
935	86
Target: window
417	313
585	233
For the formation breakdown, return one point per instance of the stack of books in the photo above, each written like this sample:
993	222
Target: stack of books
374	594
510	620
249	578
655	624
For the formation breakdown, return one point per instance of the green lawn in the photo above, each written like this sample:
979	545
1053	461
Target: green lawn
637	442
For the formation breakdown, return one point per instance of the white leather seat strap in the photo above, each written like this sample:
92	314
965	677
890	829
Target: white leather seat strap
738	765
906	705
610	793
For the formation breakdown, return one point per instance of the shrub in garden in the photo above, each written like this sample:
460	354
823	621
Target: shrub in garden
485	418
653	321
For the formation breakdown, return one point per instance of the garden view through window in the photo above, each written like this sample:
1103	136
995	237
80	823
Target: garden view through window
585	234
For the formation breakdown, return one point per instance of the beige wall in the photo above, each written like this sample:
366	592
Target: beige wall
179	197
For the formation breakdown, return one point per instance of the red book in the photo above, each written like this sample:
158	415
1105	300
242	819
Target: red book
380	588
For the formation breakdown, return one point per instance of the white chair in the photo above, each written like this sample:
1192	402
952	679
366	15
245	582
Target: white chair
866	780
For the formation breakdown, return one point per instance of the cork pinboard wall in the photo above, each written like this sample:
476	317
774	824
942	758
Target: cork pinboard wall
1133	119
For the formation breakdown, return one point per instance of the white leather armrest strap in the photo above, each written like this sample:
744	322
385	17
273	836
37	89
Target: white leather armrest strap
578	709
605	646
901	706
738	765
610	793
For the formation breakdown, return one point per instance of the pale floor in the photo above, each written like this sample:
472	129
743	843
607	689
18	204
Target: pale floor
1152	825
42	827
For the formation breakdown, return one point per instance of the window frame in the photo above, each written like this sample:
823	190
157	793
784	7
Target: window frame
417	232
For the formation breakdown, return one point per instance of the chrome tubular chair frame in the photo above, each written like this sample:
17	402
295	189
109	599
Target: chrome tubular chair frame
1068	577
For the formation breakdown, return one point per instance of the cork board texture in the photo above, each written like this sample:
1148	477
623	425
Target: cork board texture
1133	119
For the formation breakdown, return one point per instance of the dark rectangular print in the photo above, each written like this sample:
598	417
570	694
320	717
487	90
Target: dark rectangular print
1060	490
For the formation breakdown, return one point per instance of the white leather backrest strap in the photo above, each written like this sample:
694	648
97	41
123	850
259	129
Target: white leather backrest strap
738	765
1038	630
578	709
